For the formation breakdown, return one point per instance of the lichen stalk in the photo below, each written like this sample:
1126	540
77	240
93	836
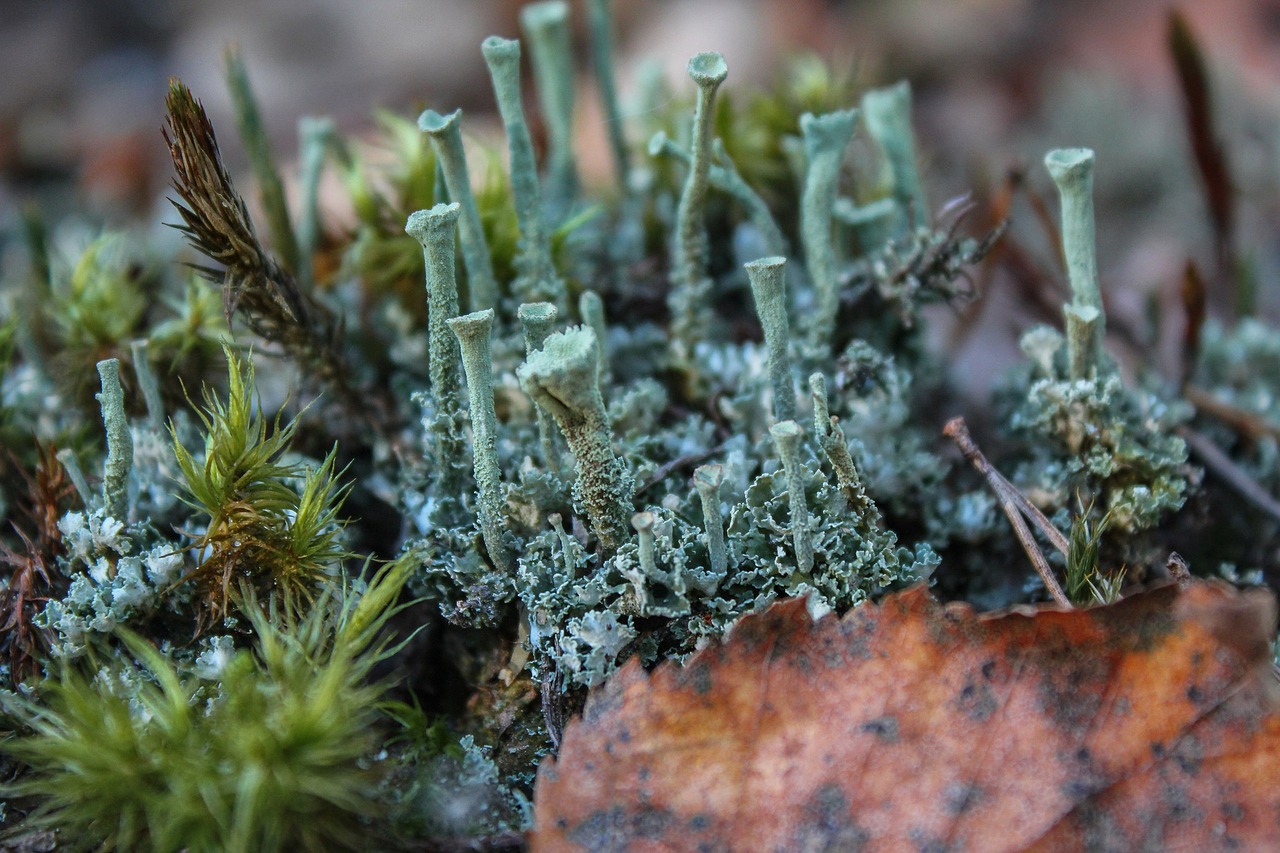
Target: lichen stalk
706	481
834	446
119	462
768	287
473	332
446	137
1072	171
148	383
562	379
546	25
435	229
825	139
536	320
887	113
787	435
690	285
67	459
723	174
254	136
600	24
315	135
643	523
591	309
537	279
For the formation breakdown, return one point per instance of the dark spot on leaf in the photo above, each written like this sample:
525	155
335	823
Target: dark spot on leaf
976	701
696	675
651	822
926	843
827	824
885	728
961	797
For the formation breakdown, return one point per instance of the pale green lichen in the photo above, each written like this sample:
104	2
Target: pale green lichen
787	435
724	176
538	280
691	285
591	310
562	378
537	320
316	136
768	286
546	25
446	137
707	480
435	230
887	113
600	22
119	461
1072	171
473	332
825	139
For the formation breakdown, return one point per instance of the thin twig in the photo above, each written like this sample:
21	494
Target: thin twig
1015	506
1250	424
1217	461
665	470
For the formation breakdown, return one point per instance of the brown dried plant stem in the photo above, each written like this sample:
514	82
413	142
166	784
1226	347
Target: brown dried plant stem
1015	506
256	287
1217	461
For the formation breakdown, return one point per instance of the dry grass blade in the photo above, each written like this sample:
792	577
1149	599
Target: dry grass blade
1192	293
1211	160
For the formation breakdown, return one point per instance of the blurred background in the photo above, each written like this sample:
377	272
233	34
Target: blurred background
82	81
997	83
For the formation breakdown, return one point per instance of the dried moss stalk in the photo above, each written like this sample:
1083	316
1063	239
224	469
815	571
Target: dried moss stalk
255	286
834	446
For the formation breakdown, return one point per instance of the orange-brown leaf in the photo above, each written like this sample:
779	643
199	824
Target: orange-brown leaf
1149	724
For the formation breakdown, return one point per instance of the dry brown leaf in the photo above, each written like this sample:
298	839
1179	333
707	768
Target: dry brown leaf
1149	724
